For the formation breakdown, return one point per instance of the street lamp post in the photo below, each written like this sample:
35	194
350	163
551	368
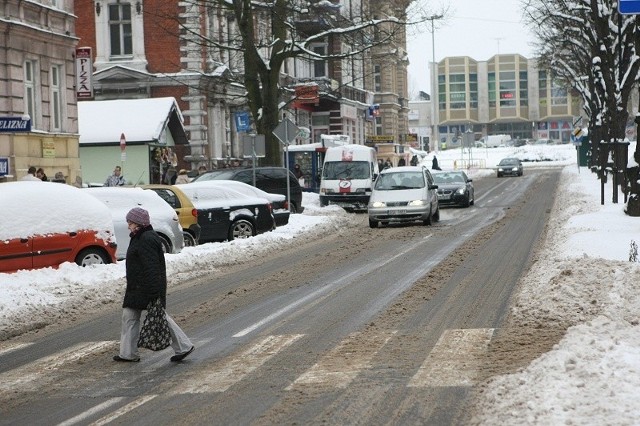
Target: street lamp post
434	81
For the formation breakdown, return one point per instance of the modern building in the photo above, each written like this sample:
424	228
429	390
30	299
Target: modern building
38	113
506	94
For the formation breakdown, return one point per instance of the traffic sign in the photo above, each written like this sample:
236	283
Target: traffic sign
629	7
286	131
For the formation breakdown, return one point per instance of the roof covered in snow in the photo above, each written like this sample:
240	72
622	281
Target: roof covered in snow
141	121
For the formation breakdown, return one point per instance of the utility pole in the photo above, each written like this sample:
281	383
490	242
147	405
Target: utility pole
434	82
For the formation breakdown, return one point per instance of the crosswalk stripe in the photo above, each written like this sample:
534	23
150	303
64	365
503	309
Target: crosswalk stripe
36	370
124	410
239	366
343	363
454	360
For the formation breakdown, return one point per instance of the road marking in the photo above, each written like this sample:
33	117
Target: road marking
36	370
13	347
124	410
343	363
325	289
239	366
90	412
454	360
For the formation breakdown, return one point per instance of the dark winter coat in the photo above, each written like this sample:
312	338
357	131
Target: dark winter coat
146	270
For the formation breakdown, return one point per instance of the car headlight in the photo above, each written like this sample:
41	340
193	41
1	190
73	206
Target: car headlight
515	169
500	169
460	191
417	203
377	204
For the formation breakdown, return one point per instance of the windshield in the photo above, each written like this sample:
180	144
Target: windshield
399	180
346	170
508	162
445	178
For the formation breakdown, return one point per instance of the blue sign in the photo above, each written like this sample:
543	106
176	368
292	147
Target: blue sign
15	124
629	7
243	124
4	166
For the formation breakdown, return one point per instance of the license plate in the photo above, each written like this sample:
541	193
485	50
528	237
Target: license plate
399	212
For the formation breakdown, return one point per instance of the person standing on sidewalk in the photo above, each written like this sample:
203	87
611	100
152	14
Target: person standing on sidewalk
146	281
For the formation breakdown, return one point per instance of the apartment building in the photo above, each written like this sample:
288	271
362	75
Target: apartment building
38	110
506	94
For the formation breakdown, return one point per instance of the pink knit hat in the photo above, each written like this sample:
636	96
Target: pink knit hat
138	216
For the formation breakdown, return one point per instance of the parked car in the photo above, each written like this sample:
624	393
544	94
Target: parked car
269	179
278	202
164	219
404	194
225	214
45	224
454	188
510	167
184	208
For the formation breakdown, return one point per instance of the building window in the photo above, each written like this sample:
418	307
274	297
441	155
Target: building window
378	125
377	78
473	90
491	78
542	84
558	94
320	65
507	88
30	91
457	91
56	98
120	30
524	92
442	92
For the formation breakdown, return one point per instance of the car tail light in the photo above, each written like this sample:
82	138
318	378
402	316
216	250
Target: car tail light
194	213
285	205
270	207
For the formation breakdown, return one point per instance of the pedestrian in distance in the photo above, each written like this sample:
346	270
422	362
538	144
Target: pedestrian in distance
146	275
434	164
31	175
297	172
116	179
40	174
182	177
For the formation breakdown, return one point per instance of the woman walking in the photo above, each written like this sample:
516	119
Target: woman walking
146	282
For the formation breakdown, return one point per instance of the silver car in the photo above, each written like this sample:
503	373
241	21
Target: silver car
404	194
163	218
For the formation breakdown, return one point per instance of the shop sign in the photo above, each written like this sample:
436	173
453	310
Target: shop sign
84	73
307	94
15	124
48	149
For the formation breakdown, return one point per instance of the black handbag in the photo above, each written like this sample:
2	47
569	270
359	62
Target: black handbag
155	334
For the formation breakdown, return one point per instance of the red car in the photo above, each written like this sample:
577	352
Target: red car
46	224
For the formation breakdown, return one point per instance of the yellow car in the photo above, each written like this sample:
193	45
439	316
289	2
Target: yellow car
187	213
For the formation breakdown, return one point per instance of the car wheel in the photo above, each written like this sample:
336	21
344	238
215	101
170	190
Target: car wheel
166	245
293	208
436	216
373	223
427	221
241	228
189	240
92	256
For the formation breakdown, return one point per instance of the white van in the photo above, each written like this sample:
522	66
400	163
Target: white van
348	173
495	141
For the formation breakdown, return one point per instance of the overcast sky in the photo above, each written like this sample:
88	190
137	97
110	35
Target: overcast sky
475	28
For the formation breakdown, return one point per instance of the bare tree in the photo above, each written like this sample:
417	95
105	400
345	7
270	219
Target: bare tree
260	41
593	48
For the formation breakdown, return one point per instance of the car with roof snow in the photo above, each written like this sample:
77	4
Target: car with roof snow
225	214
164	219
279	204
46	224
270	179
